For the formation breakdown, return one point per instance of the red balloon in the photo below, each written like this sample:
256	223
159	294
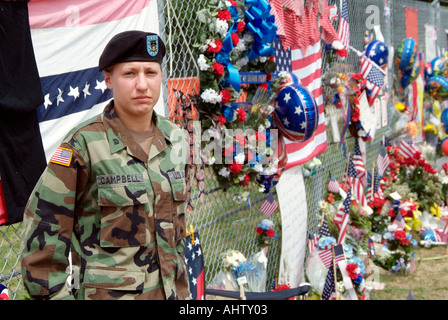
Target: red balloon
444	146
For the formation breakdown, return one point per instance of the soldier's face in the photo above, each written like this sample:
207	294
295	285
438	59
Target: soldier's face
136	87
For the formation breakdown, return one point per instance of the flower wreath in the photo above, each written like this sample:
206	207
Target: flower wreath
236	62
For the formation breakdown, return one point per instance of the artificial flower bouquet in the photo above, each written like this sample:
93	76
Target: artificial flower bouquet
237	270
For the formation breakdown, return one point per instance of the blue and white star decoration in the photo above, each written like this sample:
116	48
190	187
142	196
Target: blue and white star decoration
195	267
378	52
296	113
72	92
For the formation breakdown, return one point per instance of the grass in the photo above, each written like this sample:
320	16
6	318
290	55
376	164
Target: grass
428	282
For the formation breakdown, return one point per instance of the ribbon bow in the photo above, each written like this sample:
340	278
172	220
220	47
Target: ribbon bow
261	24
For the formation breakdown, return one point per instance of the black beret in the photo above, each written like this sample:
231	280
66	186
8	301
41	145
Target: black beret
132	45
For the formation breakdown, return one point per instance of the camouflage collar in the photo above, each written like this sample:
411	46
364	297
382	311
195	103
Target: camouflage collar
119	137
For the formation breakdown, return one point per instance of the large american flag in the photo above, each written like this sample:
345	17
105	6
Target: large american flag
344	26
68	39
307	66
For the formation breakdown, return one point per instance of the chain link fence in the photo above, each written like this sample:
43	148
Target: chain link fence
221	220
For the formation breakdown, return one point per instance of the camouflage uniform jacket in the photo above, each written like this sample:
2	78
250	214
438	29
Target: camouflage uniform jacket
119	212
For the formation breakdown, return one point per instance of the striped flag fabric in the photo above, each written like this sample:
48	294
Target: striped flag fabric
343	228
355	182
399	221
358	162
374	191
344	26
68	38
374	76
312	241
343	210
326	256
406	150
269	205
333	184
383	160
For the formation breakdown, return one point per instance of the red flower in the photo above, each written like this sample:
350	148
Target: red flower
259	230
235	167
269	76
222	120
351	269
264	87
270	233
356	76
217	48
218	69
240	26
224	15
235	39
241	114
246	180
356	115
233	3
226	96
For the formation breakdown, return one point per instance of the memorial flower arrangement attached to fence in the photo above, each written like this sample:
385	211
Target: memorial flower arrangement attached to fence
265	233
237	89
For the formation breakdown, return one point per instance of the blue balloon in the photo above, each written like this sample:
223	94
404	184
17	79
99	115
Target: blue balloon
406	62
296	113
437	88
444	119
377	52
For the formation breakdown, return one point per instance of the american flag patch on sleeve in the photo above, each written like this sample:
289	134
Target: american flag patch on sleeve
62	156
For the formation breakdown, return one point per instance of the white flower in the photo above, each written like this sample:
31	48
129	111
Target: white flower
203	65
222	27
224	172
267	223
211	161
445	180
233	258
211	96
258	167
262	188
239	158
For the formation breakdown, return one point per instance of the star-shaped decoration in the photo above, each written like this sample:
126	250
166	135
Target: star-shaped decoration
47	101
86	90
382	48
303	125
287	97
298	110
59	98
74	92
101	86
286	122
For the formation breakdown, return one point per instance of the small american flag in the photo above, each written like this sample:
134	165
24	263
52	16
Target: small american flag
357	187
343	229
358	162
312	242
383	160
324	231
333	185
327	257
399	221
328	292
269	205
344	210
374	75
195	266
407	150
344	26
339	254
62	156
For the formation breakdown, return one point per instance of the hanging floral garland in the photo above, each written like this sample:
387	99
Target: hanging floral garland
237	89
